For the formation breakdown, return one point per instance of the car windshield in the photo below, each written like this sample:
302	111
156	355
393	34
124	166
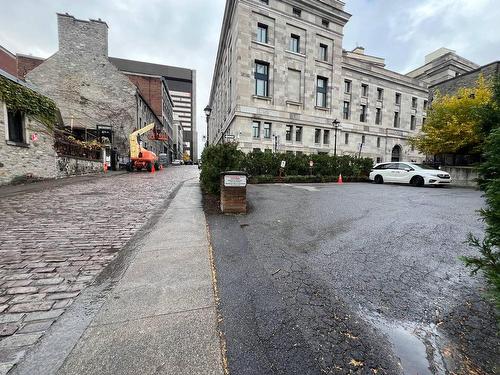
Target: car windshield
424	166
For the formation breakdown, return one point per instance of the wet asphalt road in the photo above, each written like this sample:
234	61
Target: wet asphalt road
353	278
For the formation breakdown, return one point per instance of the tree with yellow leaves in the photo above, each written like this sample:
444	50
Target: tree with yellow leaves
454	122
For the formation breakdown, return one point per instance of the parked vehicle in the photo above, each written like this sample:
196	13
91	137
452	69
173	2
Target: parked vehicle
409	173
177	162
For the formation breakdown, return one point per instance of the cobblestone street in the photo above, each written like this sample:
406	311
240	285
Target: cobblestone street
53	243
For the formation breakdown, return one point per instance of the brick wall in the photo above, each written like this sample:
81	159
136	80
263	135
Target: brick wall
7	61
26	64
150	88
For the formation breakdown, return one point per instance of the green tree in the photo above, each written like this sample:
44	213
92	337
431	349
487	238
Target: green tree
489	260
454	122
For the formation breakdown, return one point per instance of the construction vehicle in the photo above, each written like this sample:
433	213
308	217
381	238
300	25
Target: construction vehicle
141	158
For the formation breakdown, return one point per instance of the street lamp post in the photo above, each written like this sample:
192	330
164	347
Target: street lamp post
336	125
208	112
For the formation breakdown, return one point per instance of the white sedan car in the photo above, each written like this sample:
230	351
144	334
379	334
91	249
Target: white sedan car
409	173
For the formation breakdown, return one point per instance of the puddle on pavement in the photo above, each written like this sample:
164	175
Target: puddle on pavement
417	346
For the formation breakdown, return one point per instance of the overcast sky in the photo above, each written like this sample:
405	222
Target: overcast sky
186	32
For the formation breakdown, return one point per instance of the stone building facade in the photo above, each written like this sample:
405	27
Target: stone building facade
26	146
468	79
282	77
94	97
442	65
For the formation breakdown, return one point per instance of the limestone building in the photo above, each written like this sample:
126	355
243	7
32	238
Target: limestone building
96	100
282	77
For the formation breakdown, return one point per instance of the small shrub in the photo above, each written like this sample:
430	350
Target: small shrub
216	159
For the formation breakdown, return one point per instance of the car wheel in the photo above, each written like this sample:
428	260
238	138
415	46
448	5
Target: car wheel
417	181
378	179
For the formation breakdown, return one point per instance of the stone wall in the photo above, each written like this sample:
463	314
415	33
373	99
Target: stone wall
71	166
86	87
32	159
462	176
466	80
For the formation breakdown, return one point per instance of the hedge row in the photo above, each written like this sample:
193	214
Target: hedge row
266	166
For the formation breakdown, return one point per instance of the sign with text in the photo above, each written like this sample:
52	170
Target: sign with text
311	164
283	164
235	180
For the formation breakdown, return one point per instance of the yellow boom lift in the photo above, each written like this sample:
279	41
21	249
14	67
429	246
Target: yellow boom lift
140	157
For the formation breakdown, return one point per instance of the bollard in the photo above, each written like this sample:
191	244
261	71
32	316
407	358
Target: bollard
233	192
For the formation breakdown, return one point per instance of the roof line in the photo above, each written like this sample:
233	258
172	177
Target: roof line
467	73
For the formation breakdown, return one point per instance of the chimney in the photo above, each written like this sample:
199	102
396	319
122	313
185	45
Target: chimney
79	36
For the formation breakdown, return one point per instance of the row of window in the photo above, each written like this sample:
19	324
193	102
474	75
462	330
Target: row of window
262	84
346	114
380	94
262	89
321	136
297	12
294	42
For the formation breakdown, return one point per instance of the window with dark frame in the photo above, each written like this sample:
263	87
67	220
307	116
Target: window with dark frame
261	78
296	12
346	138
347	110
262	33
362	114
326	137
414	102
323	52
347	87
325	23
256	129
364	90
413	123
321	90
396	119
317	136
378	116
267	130
288	133
265	2
363	139
15	126
425	105
378	142
380	94
295	43
423	121
398	98
298	133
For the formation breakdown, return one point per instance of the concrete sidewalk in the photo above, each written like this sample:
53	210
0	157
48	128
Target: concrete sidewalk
160	317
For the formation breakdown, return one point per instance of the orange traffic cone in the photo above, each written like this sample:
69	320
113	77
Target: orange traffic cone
105	167
340	180
153	170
